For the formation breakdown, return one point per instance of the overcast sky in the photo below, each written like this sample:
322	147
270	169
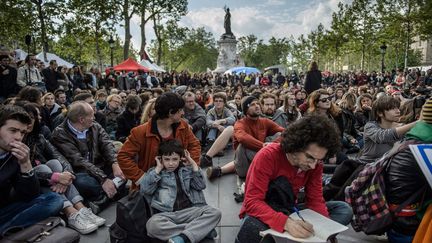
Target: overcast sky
263	18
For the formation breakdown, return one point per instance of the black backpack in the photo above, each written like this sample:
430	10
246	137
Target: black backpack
132	214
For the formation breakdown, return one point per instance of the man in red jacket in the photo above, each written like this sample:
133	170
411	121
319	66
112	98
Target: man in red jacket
298	161
249	137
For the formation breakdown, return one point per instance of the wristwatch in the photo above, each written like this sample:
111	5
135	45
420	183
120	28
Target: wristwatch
28	174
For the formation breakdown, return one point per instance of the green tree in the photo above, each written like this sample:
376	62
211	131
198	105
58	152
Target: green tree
156	10
184	48
96	17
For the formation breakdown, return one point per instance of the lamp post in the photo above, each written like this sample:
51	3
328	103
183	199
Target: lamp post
383	49
111	45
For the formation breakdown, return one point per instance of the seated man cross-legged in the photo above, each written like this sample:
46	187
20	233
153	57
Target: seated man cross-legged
298	160
26	206
89	150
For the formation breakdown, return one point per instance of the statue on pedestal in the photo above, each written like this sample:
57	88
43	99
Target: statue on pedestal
227	47
227	21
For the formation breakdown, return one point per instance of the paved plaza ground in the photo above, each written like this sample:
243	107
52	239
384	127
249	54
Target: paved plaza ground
219	193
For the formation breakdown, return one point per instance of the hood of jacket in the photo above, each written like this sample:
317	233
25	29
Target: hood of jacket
421	131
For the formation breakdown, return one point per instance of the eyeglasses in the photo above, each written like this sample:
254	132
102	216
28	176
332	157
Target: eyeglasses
325	99
217	101
312	160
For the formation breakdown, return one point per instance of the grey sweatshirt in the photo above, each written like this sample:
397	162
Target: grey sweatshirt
377	141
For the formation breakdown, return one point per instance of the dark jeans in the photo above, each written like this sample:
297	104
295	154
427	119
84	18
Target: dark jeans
396	237
88	187
91	189
24	214
250	227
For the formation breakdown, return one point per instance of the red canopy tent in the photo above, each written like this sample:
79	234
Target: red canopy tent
130	65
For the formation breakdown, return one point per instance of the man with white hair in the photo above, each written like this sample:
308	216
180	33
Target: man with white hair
87	146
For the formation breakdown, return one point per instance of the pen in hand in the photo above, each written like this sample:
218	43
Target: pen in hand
298	213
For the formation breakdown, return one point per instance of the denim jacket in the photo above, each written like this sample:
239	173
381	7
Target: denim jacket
160	190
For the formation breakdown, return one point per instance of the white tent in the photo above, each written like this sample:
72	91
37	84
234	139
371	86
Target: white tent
151	66
51	56
20	55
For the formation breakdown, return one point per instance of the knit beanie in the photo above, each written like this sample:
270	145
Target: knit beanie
246	103
427	111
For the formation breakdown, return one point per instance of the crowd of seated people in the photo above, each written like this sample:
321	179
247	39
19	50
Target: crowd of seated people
62	144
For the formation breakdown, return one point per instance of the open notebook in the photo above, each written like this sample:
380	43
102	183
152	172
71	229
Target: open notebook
324	228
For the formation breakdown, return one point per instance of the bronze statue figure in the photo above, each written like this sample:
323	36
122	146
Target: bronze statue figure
227	22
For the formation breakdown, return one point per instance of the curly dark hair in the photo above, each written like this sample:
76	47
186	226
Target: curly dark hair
168	103
311	129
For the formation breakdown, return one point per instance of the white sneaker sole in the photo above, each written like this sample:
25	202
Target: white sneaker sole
102	222
85	231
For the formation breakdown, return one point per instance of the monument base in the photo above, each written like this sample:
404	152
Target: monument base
227	58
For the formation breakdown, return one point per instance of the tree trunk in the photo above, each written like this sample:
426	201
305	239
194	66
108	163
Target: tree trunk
408	34
159	39
127	29
143	34
407	45
98	51
45	48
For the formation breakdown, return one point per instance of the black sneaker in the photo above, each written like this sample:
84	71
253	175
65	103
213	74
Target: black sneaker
213	172
206	161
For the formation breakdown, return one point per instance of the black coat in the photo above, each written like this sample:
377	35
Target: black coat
8	82
313	81
125	122
25	189
404	178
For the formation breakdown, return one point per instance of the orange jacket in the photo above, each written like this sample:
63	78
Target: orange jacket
140	149
424	231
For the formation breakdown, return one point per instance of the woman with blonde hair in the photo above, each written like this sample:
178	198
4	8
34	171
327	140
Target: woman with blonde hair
149	111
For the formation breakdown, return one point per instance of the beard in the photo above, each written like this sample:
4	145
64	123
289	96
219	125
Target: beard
269	112
254	115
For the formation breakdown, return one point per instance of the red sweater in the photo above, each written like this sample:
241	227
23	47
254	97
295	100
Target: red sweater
252	133
269	163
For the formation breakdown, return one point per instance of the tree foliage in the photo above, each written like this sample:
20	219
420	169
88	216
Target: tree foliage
185	48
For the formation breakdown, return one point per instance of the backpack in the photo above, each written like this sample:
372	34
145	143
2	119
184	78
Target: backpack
132	214
366	195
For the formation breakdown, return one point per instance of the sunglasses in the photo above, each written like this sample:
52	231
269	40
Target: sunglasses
325	99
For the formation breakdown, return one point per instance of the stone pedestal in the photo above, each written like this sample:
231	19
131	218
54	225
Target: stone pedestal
227	58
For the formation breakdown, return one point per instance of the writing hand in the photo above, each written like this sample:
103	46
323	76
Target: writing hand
298	228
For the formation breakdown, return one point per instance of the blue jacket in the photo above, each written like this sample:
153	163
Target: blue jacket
160	189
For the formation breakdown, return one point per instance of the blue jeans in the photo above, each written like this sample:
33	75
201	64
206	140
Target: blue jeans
88	187
395	237
339	211
24	214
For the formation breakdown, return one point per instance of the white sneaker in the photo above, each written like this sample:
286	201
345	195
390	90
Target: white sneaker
87	214
80	224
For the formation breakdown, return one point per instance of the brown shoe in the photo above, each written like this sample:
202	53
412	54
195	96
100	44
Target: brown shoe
213	172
